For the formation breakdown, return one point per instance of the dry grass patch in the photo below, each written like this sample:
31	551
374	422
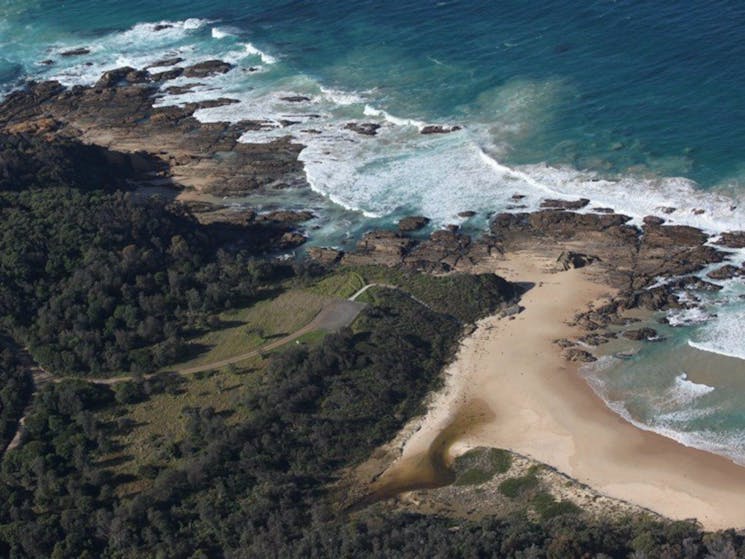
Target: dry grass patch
155	427
247	329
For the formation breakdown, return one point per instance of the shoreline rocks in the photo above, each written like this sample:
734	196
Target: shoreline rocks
412	223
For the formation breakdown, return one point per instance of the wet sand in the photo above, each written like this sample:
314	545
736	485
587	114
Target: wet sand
510	388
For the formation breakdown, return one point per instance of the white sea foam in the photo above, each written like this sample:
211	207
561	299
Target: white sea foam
341	97
139	46
684	391
372	111
688	317
221	33
724	335
251	50
674	424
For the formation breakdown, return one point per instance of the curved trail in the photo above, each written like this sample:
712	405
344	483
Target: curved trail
331	318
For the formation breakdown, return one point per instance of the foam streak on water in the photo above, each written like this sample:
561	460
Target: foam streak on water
541	111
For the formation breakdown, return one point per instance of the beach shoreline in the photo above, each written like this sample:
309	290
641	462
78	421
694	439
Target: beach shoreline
509	387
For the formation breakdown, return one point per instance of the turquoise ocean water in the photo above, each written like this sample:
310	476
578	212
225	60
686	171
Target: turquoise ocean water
632	104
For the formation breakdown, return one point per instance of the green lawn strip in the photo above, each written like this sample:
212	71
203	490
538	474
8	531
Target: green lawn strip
250	328
343	284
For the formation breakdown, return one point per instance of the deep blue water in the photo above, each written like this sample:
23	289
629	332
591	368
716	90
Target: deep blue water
635	104
634	82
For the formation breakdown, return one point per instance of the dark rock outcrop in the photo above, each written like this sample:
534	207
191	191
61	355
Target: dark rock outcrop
118	113
732	239
364	128
207	68
575	354
565	204
728	271
76	52
326	256
438	129
413	223
640	334
287	216
126	75
569	259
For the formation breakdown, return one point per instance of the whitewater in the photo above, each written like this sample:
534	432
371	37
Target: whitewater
667	146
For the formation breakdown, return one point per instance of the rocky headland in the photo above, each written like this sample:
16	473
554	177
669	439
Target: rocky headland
112	129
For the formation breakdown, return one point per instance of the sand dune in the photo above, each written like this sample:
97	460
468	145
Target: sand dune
510	388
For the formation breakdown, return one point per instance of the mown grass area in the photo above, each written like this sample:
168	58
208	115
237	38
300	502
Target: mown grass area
244	330
149	432
466	297
479	465
343	284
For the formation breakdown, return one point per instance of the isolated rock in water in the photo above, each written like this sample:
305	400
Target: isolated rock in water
162	26
207	68
364	128
76	52
569	259
466	214
732	239
725	272
295	98
413	223
667	210
640	334
578	355
564	204
165	62
437	129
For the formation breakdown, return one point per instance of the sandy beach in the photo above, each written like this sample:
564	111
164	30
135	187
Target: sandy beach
510	388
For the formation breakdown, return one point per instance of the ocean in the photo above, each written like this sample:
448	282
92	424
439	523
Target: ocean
636	105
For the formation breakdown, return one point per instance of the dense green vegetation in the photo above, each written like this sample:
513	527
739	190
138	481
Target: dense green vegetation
97	280
93	281
15	389
479	465
466	297
260	488
517	486
254	487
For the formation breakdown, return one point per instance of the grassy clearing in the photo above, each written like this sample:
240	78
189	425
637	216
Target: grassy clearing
343	284
480	465
155	427
247	329
466	297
